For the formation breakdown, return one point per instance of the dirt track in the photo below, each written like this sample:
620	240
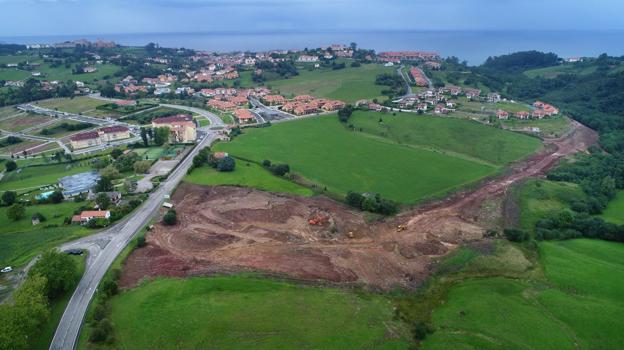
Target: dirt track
228	229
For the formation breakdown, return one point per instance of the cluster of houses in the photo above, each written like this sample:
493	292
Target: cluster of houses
327	52
419	77
401	56
228	99
540	110
306	104
99	137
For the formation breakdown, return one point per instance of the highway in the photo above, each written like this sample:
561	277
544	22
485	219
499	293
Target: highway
105	246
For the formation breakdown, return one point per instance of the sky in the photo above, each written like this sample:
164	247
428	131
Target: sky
92	17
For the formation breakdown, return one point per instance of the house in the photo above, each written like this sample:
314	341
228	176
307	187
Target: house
441	109
219	155
115	197
303	98
419	76
114	133
85	139
244	116
433	65
84	217
493	97
333	105
500	114
522	115
273	100
221	105
237	100
472	94
182	128
538	113
307	58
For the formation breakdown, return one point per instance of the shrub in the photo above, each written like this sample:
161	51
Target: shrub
280	169
516	235
16	212
56	197
101	331
140	243
9	197
170	218
10	166
266	163
226	164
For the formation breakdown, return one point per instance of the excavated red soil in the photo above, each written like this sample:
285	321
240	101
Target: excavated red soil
230	229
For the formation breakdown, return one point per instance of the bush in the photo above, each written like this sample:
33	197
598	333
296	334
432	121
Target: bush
16	212
226	163
280	169
171	218
266	163
56	197
101	332
421	330
516	235
140	243
142	166
9	197
10	166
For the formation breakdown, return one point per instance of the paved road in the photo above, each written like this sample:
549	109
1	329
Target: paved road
105	246
215	121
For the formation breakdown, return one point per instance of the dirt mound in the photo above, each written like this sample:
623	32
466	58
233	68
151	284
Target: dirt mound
230	229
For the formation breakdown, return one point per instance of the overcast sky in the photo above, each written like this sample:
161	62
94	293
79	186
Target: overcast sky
89	17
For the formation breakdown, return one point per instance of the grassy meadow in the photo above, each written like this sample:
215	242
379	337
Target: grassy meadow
459	137
249	175
326	153
36	176
615	210
237	312
20	240
577	304
348	84
78	105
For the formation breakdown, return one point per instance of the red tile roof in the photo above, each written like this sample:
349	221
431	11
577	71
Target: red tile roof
114	128
89	135
173	119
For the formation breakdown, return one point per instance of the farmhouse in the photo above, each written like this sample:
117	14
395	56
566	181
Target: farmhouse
500	114
538	113
244	116
84	217
522	115
182	128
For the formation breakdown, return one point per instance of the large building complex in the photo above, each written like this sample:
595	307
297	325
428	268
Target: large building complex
182	127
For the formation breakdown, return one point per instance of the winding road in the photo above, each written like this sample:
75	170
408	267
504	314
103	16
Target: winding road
105	246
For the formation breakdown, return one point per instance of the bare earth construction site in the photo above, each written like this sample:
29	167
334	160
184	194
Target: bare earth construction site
227	229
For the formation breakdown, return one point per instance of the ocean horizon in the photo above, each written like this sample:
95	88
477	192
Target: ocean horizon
474	46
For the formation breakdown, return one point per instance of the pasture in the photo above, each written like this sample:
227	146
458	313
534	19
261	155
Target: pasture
246	174
326	153
447	135
33	177
615	209
78	105
579	306
348	84
540	198
20	240
238	312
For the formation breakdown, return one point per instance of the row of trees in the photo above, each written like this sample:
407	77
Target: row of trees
371	202
54	275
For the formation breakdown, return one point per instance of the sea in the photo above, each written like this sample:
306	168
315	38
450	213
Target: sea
472	46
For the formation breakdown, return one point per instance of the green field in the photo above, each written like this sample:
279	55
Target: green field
540	198
615	210
246	174
79	104
448	135
240	312
580	306
348	84
550	127
20	240
554	71
326	153
32	177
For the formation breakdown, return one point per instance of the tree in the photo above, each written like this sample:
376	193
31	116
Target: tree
59	270
10	166
345	113
9	197
16	212
226	163
144	136
516	235
56	197
161	135
170	217
104	185
354	199
266	163
103	201
280	169
142	166
116	153
110	171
